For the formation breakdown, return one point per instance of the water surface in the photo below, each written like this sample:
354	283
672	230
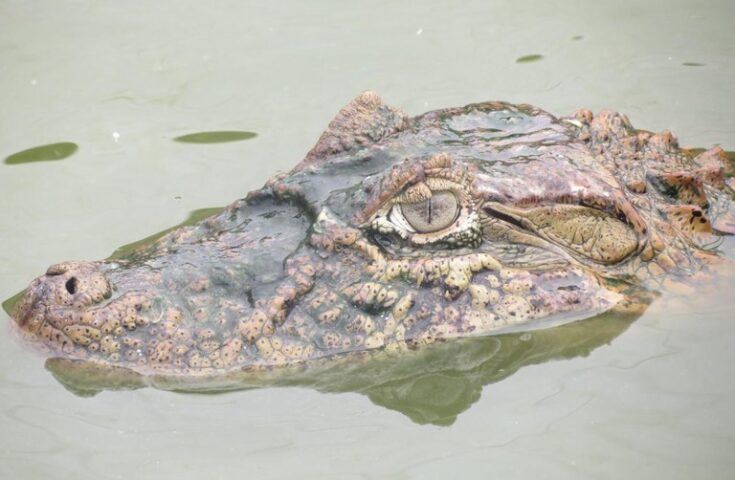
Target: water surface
121	80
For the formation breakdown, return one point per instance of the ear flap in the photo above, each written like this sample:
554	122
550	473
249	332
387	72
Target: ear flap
692	221
364	121
688	186
684	187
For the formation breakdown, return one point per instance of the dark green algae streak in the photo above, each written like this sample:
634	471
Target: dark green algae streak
529	58
43	153
216	137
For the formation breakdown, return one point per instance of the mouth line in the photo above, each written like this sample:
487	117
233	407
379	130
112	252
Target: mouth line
506	218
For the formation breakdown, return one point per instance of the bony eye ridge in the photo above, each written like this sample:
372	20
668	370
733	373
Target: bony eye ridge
433	214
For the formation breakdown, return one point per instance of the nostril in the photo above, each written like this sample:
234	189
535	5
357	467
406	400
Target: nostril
71	285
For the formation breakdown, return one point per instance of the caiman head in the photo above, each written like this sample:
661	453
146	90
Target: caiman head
396	232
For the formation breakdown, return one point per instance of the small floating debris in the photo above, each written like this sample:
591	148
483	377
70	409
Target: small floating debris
44	153
578	37
693	64
529	58
216	137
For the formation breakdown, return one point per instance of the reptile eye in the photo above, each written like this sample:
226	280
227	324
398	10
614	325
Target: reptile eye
435	213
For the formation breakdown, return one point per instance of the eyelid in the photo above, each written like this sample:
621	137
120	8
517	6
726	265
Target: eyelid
421	191
395	216
414	194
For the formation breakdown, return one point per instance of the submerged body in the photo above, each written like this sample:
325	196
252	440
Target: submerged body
396	232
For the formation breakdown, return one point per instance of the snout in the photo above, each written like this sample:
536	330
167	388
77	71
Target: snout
51	299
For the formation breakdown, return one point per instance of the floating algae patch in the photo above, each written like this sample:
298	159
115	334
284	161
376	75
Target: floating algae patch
44	153
216	137
529	58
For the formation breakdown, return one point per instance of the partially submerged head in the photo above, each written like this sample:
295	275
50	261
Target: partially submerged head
397	232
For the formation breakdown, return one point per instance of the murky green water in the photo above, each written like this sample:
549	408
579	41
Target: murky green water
647	399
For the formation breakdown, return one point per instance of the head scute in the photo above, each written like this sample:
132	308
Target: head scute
363	122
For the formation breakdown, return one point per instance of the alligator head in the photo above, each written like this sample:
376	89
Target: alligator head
395	232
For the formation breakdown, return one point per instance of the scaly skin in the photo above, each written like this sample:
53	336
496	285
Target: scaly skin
396	232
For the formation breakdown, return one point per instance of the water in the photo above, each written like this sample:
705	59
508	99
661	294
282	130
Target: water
122	82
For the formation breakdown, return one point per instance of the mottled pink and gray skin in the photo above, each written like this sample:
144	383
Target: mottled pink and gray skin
307	268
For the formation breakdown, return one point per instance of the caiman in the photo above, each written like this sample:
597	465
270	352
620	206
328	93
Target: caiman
395	232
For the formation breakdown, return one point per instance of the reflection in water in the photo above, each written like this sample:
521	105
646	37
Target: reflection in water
432	385
529	58
43	153
216	137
